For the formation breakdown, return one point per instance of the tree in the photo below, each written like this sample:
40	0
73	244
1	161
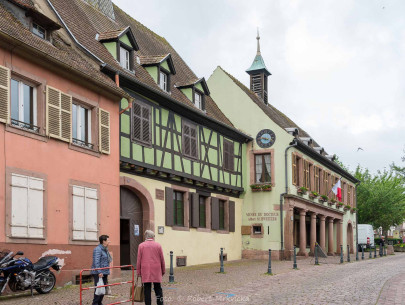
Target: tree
380	198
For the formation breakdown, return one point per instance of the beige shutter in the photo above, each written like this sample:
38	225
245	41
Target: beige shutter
19	206
104	126
294	169
78	213
90	212
66	117
4	94
36	207
53	101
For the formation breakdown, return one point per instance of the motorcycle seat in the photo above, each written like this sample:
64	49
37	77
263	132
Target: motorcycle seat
43	262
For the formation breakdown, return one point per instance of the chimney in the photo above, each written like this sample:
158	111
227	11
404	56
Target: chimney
104	6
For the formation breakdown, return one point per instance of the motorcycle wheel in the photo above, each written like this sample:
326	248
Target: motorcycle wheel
48	277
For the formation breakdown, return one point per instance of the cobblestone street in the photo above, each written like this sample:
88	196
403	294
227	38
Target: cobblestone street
372	281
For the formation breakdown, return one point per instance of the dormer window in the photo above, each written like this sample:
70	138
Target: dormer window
38	30
160	68
121	44
198	100
124	58
163	81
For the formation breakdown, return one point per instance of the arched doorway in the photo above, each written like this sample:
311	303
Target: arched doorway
349	237
131	226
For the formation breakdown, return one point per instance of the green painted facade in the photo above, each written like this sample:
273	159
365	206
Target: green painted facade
153	71
188	92
165	152
165	65
199	87
125	40
112	48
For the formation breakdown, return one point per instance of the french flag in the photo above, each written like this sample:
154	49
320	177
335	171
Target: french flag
337	190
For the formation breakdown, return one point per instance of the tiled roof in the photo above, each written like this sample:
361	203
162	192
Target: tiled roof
25	3
272	112
59	51
152	59
187	83
85	22
110	34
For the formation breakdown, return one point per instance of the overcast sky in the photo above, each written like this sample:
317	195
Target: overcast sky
337	65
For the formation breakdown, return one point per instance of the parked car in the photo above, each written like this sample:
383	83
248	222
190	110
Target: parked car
365	237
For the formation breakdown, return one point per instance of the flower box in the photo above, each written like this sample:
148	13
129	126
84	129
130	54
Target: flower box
313	195
302	191
266	187
323	198
353	210
256	187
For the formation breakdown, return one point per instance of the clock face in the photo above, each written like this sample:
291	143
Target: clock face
265	138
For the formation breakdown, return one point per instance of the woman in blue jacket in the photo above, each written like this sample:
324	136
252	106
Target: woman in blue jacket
101	259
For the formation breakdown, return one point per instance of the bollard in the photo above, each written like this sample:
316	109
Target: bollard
341	254
295	259
348	253
369	255
357	253
362	252
316	255
269	268
221	268
171	275
375	251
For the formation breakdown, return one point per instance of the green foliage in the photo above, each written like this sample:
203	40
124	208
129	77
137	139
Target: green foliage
380	198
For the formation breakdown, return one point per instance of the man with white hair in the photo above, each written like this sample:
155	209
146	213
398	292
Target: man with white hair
150	267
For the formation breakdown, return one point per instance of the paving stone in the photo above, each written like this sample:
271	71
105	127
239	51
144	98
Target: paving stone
364	282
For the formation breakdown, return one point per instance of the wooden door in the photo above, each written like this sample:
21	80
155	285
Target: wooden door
131	226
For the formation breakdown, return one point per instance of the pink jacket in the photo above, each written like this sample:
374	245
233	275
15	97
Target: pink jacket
150	264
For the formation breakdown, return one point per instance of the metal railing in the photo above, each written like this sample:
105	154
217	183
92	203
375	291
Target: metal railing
109	285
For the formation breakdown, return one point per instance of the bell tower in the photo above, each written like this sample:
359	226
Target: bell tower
258	74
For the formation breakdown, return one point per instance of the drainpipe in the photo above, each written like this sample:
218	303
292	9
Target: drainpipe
294	143
357	219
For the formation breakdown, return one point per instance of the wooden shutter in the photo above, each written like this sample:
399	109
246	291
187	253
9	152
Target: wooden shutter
104	125
146	122
136	121
90	212
169	206
35	208
78	213
19	206
53	117
186	140
231	216
294	169
193	142
4	94
66	117
214	213
195	210
228	155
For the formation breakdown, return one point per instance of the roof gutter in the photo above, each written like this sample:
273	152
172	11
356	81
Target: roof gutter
71	34
132	79
172	100
323	160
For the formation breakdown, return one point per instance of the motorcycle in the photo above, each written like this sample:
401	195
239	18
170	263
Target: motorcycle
21	274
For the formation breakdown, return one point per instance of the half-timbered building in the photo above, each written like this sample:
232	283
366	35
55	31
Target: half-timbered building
181	159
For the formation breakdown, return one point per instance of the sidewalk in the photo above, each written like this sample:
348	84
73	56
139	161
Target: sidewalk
205	282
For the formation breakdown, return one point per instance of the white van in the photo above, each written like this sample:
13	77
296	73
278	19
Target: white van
365	236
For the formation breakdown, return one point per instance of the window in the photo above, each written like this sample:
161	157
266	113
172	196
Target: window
326	177
317	180
229	155
190	142
124	58
198	100
201	204
23	106
163	81
141	123
349	195
38	30
81	126
85	215
222	215
178	204
296	170
307	180
27	201
263	168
